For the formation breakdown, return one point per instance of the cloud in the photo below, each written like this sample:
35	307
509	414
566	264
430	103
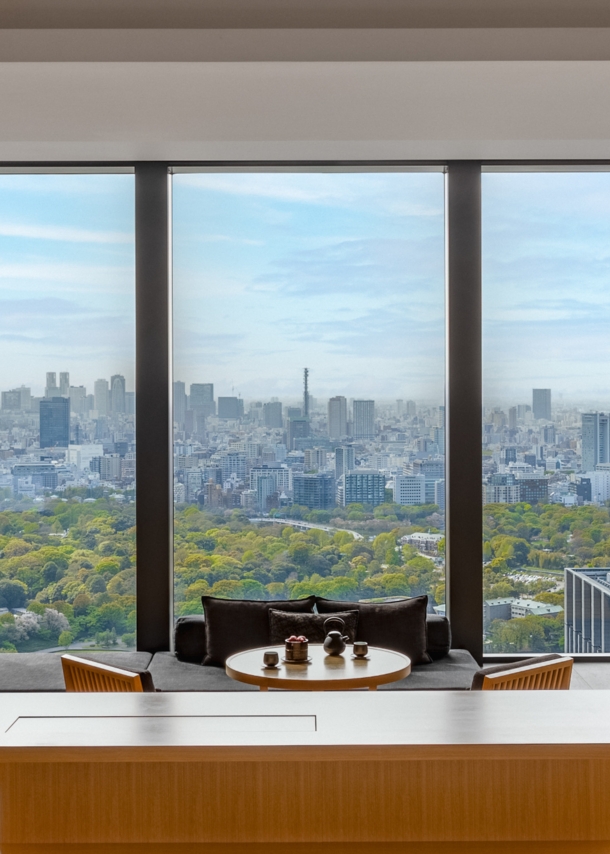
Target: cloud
63	233
41	307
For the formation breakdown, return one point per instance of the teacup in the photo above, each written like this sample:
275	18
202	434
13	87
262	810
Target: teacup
361	648
271	658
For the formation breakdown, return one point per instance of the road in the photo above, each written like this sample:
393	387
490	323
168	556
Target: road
303	526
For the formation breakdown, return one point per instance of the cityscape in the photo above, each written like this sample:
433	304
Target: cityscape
337	496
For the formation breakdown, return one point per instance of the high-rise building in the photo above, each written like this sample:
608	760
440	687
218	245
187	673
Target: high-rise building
337	417
51	389
595	440
230	407
11	400
409	489
587	610
410	409
298	428
201	399
512	418
117	394
272	414
55	422
64	384
541	403
316	491
364	486
101	397
179	404
344	460
234	462
364	419
78	399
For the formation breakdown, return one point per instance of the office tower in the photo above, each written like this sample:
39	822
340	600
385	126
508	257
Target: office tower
409	489
512	418
363	486
234	462
541	403
64	383
364	419
316	491
522	408
130	403
179	404
229	407
410	409
297	428
78	399
315	458
510	455
587	610
306	392
117	393
201	399
272	414
337	417
55	422
344	460
549	435
294	412
101	396
11	400
595	440
265	491
51	389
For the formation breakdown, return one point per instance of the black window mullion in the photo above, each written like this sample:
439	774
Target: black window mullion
153	410
464	519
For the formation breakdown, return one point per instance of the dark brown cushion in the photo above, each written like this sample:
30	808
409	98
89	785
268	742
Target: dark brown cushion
479	676
282	624
400	626
233	625
189	638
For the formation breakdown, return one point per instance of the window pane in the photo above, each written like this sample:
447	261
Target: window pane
546	464
309	386
67	444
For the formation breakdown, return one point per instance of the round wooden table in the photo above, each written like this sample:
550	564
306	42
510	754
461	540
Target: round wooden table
325	673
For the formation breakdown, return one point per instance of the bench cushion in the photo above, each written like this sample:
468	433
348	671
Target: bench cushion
41	671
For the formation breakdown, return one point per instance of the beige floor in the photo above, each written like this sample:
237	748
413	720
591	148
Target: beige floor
591	676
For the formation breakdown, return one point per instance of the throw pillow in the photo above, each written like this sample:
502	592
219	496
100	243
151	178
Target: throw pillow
233	625
282	624
400	626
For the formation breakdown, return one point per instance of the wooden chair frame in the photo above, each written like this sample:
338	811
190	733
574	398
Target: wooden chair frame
543	676
82	675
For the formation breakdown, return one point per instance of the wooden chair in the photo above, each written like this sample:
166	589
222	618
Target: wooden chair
545	673
80	674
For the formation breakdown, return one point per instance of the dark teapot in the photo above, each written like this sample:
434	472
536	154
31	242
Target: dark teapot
335	641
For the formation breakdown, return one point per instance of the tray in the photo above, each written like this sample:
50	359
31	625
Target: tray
290	661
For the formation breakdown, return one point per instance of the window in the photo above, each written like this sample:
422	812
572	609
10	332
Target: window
546	463
308	385
67	443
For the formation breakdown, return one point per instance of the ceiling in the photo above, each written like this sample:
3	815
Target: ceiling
187	14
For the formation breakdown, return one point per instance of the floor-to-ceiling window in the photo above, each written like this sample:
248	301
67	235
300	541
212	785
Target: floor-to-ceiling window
67	443
546	448
309	423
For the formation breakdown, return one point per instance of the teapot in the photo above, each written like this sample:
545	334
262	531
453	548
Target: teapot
335	642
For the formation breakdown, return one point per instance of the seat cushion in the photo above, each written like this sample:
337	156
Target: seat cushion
171	674
400	626
234	625
454	672
41	671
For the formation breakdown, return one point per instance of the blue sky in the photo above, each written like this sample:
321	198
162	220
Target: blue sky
66	278
342	273
546	284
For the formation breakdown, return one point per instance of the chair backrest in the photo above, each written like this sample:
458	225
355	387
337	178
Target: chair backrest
550	673
80	674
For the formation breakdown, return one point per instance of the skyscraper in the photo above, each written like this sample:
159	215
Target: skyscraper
179	404
117	393
202	399
595	440
272	414
512	418
364	419
541	403
344	460
230	407
100	396
51	389
337	417
55	422
64	383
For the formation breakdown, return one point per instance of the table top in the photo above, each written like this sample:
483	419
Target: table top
324	673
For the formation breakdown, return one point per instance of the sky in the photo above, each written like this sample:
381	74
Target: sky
67	278
342	273
546	287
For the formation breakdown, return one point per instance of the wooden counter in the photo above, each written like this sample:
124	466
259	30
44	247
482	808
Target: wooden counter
236	769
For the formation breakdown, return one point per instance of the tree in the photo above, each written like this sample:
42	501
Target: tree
12	593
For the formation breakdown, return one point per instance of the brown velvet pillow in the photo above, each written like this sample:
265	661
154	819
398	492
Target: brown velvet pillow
400	626
282	624
233	625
